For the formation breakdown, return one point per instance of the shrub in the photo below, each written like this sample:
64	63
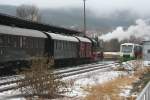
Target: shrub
41	81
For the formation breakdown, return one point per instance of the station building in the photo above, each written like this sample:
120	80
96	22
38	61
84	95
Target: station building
146	53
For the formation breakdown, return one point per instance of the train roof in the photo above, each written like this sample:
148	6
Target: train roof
83	39
130	44
20	31
62	37
127	44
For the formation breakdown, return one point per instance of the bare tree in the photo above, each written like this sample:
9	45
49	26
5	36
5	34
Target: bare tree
112	46
28	12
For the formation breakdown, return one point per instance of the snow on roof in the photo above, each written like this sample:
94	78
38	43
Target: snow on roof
127	44
21	31
62	37
130	44
83	39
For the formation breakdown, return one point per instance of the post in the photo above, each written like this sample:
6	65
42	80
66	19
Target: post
84	18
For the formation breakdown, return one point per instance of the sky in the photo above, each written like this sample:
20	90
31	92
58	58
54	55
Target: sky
98	6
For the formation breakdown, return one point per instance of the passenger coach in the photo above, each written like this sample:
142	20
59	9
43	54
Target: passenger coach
63	48
18	46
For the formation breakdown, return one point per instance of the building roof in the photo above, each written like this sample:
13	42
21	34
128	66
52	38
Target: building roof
14	21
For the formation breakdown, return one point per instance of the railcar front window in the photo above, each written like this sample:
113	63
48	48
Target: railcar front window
127	48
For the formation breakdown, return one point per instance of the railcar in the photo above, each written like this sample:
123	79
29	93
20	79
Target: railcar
129	51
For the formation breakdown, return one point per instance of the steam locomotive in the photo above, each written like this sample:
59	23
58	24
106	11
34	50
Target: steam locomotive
19	46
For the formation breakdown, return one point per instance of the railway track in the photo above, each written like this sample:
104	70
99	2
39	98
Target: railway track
82	70
10	82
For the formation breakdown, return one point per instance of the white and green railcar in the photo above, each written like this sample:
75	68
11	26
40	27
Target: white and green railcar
130	51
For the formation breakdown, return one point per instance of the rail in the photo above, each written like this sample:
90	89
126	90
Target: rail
145	94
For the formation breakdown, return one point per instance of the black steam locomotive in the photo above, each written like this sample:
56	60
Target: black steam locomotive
19	46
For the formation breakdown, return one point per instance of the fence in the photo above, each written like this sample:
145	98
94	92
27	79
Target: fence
145	94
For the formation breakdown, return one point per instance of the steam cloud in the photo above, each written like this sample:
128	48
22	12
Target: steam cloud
140	30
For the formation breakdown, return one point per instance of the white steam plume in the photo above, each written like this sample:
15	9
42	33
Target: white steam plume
140	30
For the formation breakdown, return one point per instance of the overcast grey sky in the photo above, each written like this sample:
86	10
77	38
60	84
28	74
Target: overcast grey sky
140	6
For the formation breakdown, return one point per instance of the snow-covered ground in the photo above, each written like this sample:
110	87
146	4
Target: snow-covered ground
90	79
98	77
80	81
8	95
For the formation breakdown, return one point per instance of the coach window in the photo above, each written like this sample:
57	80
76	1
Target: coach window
72	45
59	47
66	45
62	44
32	43
1	52
8	40
40	43
15	41
56	45
69	45
20	42
4	39
36	43
29	42
1	40
24	42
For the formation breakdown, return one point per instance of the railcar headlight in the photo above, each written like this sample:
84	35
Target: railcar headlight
131	55
121	54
